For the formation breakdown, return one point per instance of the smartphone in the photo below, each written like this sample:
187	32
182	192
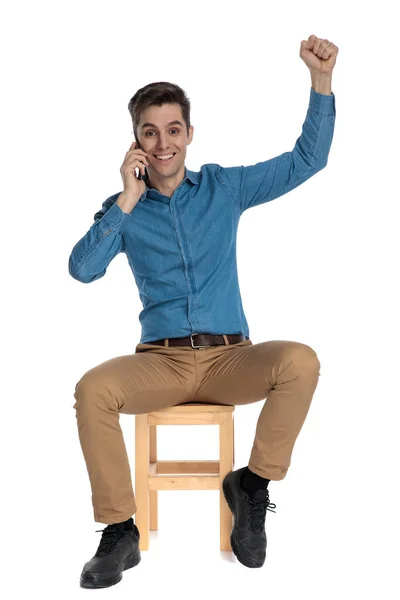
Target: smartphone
145	171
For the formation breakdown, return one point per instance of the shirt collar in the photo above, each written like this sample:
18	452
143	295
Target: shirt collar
191	175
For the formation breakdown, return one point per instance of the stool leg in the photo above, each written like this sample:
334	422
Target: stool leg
233	441
226	448
153	493
142	460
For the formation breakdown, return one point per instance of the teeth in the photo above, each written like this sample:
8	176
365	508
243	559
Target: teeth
165	157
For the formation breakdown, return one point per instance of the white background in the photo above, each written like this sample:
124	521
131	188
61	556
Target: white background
318	265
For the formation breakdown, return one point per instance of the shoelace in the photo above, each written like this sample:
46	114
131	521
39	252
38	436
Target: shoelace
111	535
258	510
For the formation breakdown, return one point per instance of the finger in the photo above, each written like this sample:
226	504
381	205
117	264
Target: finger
135	153
329	50
306	45
143	160
322	47
133	147
141	167
138	165
140	151
317	43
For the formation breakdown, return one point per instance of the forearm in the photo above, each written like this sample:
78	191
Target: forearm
93	253
321	84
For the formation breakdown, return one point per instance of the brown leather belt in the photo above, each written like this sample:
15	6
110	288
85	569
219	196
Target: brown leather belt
201	340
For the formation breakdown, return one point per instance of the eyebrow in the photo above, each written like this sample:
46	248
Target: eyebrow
152	124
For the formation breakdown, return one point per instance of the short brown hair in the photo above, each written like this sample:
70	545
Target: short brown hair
158	93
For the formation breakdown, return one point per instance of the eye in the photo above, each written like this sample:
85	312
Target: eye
151	131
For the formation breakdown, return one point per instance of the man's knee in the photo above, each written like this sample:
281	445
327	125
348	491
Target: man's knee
90	391
304	356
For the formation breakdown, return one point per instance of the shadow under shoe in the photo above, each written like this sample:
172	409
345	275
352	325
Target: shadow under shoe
118	550
248	538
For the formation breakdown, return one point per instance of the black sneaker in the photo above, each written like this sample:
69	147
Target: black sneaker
118	550
248	538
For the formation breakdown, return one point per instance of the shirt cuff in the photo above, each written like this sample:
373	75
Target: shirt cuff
115	218
322	104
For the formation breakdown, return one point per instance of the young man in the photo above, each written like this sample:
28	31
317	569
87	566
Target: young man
178	229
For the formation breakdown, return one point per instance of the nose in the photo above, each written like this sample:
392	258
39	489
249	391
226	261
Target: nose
162	142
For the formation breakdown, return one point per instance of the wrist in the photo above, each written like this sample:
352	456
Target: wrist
127	202
322	84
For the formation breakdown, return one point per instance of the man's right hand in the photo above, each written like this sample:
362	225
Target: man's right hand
135	158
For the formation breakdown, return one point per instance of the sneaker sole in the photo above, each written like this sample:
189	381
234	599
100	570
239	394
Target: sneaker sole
95	580
231	504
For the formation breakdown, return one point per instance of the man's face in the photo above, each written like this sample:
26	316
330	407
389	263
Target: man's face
158	135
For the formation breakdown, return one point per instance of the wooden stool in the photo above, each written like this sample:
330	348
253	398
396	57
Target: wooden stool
152	475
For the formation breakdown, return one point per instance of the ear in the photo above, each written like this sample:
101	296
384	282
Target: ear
190	137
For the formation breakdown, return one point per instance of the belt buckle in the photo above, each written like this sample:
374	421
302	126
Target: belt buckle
191	341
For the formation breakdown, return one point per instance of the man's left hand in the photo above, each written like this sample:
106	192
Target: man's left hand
319	55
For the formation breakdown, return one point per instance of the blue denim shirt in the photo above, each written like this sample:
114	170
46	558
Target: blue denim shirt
182	250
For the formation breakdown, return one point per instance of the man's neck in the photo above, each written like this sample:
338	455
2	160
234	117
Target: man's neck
165	187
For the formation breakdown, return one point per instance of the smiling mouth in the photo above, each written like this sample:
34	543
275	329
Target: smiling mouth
165	160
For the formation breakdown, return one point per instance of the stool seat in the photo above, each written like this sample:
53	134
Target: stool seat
152	475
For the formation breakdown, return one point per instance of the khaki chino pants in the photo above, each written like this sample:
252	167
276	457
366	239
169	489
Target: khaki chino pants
283	373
